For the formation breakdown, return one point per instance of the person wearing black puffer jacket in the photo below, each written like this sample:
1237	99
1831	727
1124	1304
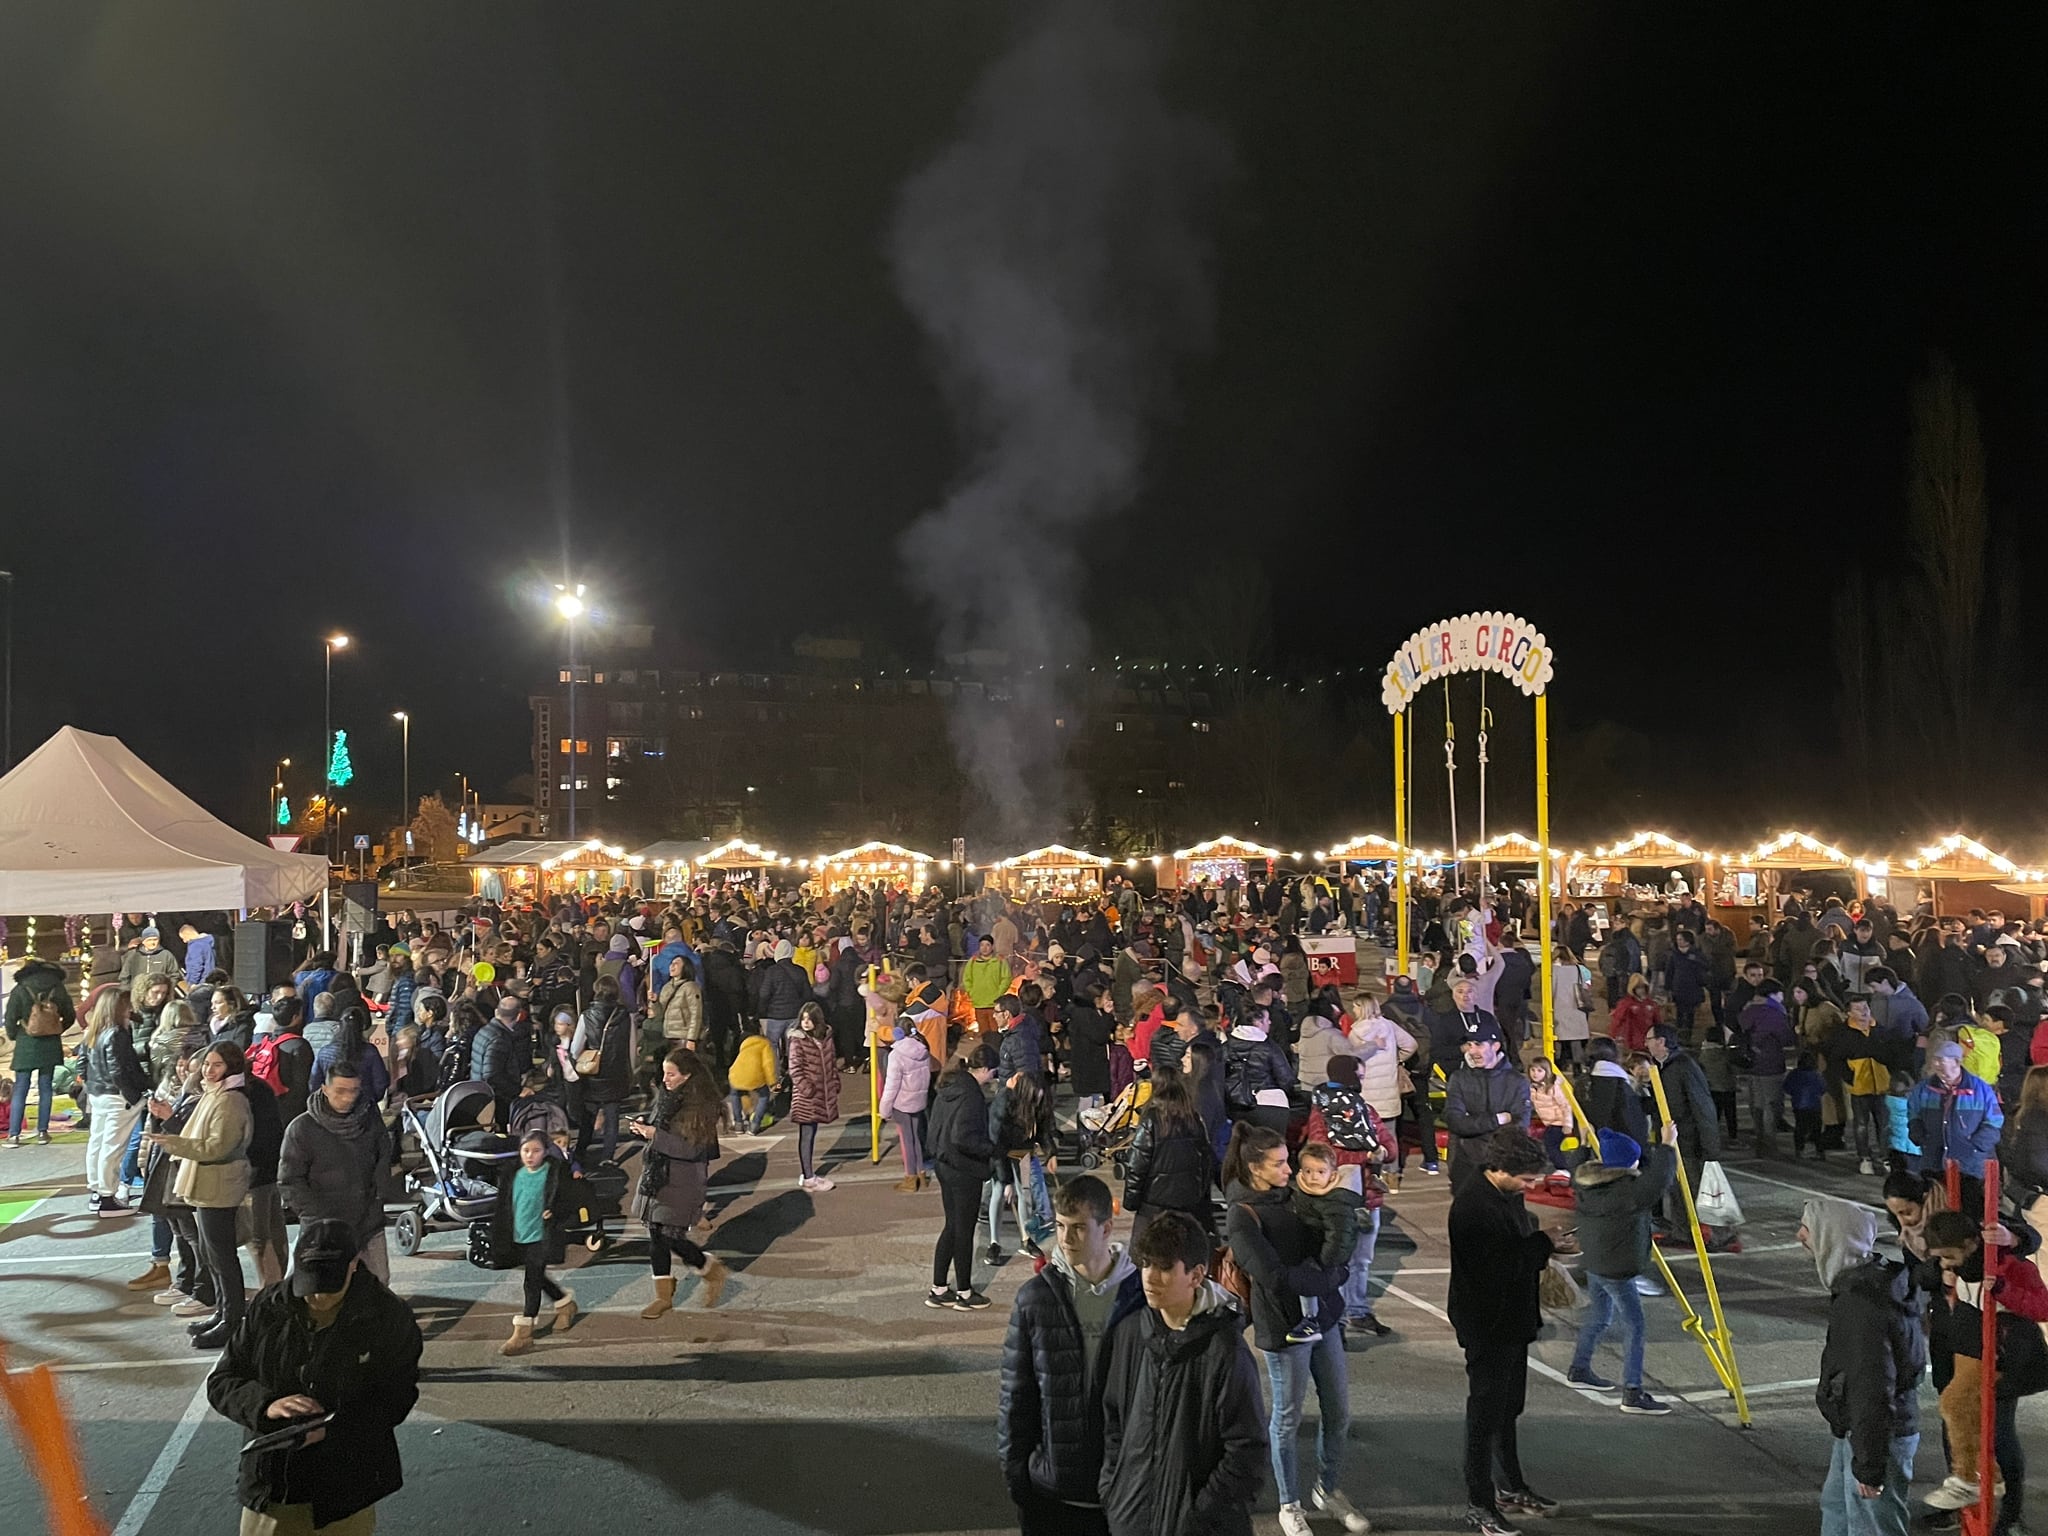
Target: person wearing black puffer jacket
1049	1414
607	1028
962	1154
1257	1075
1171	1165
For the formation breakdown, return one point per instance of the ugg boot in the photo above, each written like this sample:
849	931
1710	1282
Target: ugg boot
664	1298
156	1277
565	1310
714	1277
907	1184
521	1342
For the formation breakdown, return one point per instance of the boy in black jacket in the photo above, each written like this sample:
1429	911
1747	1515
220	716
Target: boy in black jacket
1183	1423
1497	1257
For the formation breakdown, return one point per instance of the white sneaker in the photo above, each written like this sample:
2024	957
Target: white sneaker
170	1296
1333	1501
1294	1521
194	1309
1954	1493
819	1183
1866	1166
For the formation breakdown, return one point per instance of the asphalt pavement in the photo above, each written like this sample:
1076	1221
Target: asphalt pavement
822	1396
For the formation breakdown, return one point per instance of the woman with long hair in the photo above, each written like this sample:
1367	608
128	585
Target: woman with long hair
212	1179
681	1128
962	1153
814	1091
1171	1164
116	1087
1571	1003
1279	1254
457	1056
603	1043
1022	1120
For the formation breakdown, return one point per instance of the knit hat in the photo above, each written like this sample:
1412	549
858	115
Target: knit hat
1948	1050
620	945
151	933
1619	1151
784	949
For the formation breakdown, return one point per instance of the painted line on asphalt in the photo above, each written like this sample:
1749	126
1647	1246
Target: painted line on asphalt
166	1463
1801	1189
176	1363
1438	1312
1762	1389
59	1260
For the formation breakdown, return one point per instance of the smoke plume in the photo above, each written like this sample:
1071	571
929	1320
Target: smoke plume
1054	255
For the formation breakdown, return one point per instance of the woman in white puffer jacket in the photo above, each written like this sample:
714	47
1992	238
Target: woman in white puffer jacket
1381	1045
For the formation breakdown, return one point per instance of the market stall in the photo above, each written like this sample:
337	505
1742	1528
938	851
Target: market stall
871	863
679	865
1054	870
1749	888
541	868
1636	876
1954	875
1513	856
1216	860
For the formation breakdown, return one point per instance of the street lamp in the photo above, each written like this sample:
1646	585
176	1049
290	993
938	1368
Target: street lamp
569	604
276	790
405	792
333	643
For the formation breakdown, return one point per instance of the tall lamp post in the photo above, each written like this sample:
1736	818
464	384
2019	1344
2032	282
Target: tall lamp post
276	792
569	604
405	794
8	708
333	643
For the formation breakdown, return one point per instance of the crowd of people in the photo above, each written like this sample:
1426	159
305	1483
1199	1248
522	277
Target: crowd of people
1257	1121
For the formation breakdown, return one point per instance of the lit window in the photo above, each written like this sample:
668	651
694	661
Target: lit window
582	747
1059	722
564	677
1200	725
1119	725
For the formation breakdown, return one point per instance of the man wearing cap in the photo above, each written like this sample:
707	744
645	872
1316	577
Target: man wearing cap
141	966
1615	1197
1953	1116
1484	1096
330	1340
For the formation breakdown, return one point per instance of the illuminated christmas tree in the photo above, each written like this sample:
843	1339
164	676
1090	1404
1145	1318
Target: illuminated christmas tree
340	771
284	811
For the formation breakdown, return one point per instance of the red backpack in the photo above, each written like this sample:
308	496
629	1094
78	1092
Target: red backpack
262	1063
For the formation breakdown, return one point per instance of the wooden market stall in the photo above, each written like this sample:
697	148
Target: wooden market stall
1054	870
541	868
679	864
869	863
1954	874
1636	875
1750	887
1214	861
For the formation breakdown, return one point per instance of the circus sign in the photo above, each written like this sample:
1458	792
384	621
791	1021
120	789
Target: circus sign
1476	642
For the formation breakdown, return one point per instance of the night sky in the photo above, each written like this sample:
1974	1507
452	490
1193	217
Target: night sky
373	316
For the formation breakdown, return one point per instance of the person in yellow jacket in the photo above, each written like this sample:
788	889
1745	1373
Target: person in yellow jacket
752	1074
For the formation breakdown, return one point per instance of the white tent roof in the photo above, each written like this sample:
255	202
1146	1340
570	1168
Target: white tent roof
87	826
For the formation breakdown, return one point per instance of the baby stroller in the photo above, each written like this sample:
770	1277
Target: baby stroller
461	1158
1106	1134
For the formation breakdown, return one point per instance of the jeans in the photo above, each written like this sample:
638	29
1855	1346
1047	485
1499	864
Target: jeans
910	1133
777	1031
1496	1389
1873	1125
1358	1284
114	1121
1845	1512
959	1196
742	1116
538	1281
1606	1296
1766	1100
593	1114
17	1112
131	1164
1288	1373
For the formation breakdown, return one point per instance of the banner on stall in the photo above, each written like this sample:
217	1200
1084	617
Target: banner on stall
1475	642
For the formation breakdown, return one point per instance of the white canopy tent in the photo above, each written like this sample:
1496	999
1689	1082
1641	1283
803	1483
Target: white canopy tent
87	826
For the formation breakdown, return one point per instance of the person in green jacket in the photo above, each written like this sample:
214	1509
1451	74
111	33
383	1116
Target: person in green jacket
984	979
35	1056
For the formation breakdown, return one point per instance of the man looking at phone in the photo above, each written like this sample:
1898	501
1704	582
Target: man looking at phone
351	1391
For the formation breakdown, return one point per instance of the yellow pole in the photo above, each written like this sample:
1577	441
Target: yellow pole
1543	870
874	1080
1722	1351
1400	848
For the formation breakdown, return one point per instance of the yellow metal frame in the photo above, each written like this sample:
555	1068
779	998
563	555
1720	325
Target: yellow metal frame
874	1077
1404	751
1716	1341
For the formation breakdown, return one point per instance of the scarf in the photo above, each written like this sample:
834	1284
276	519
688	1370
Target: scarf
668	1102
348	1127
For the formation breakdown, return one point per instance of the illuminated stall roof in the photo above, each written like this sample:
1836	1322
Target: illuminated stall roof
1227	847
1957	857
1513	846
870	855
584	853
1055	856
1648	848
1366	846
1802	850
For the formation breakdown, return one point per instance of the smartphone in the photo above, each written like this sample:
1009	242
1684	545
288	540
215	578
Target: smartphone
289	1437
